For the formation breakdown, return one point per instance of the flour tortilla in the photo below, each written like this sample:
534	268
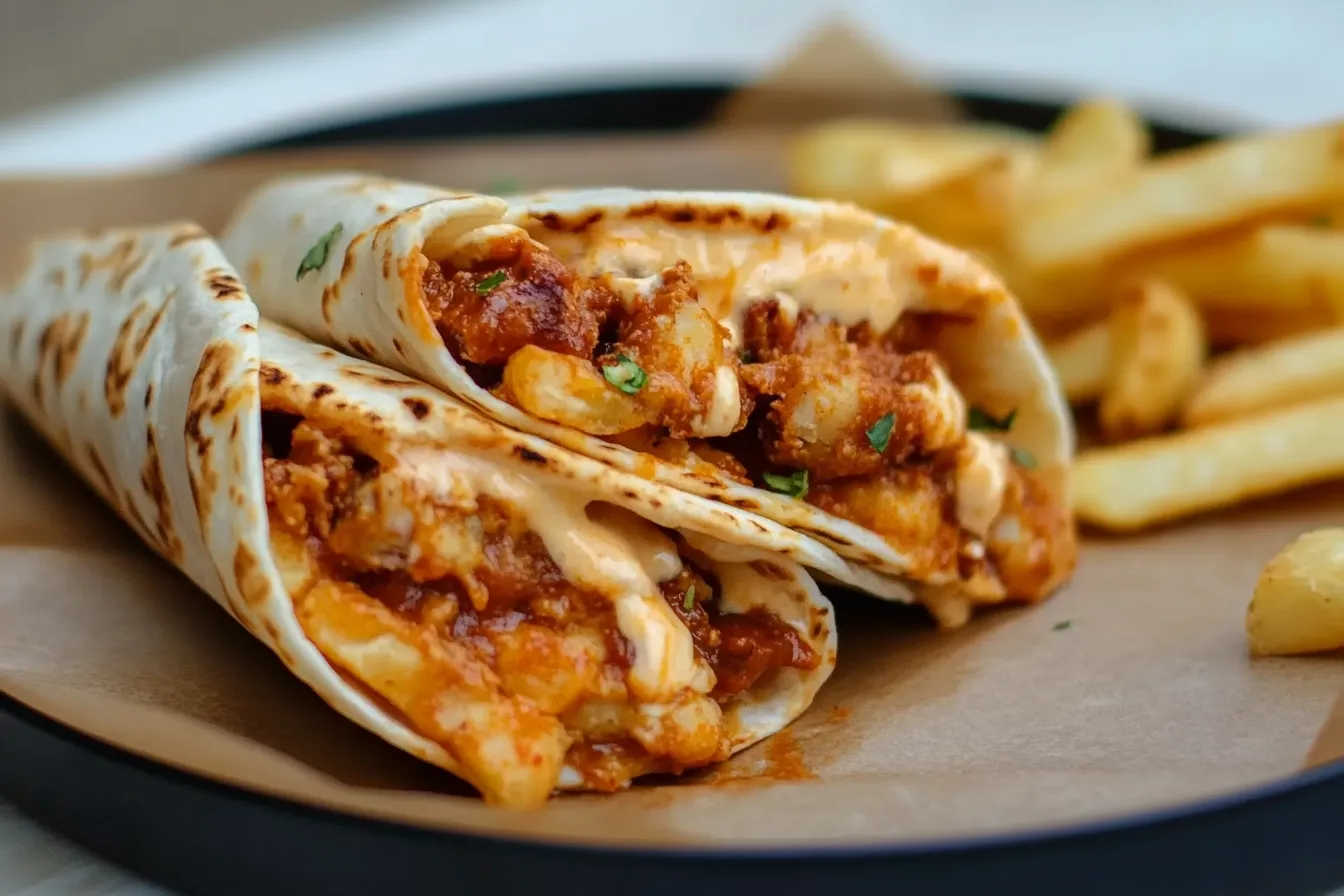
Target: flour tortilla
138	355
742	247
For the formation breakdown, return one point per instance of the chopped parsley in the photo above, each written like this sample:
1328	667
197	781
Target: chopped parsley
746	356
625	375
879	436
688	602
1062	626
317	256
1023	458
489	283
978	418
794	484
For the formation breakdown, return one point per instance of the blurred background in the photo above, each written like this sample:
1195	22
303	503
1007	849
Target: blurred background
87	84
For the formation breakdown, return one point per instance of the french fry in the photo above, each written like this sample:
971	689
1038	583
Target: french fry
1276	375
869	162
970	210
1083	361
1141	484
1091	144
1188	193
1229	329
1298	605
1158	349
1284	268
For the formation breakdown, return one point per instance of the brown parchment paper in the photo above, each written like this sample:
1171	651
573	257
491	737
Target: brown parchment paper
1130	690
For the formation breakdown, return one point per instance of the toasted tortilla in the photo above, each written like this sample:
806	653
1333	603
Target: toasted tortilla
142	359
828	257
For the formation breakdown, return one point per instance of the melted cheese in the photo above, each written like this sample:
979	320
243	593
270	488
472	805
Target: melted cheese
635	291
589	554
723	412
981	477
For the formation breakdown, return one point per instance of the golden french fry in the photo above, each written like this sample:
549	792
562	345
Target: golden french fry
1298	605
1280	268
1091	144
969	210
1242	328
1188	193
570	391
1140	484
1083	361
1158	347
867	161
1276	375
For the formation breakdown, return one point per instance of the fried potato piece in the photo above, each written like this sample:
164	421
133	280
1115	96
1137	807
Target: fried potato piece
1091	144
1083	362
570	391
1158	347
1188	193
1281	268
1276	375
867	161
1298	605
1133	486
1228	329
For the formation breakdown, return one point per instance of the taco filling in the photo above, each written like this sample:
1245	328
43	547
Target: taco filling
863	425
543	644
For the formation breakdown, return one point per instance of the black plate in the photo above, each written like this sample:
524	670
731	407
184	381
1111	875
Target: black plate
201	837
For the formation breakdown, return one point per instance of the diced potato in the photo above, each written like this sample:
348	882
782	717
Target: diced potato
570	391
1276	375
1298	606
1083	362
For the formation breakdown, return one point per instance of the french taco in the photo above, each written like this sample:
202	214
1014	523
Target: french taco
527	618
819	366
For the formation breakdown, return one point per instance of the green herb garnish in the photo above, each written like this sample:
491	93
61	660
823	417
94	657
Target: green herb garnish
489	283
879	436
977	418
625	375
502	186
1023	458
1061	626
746	356
794	484
688	602
317	256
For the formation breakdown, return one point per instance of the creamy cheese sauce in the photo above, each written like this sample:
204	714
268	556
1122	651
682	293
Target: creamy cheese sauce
619	565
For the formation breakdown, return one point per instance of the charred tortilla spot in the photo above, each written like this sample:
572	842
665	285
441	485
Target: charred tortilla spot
774	221
928	275
326	353
576	224
387	266
149	394
743	503
361	347
225	286
328	299
272	375
630	493
186	234
126	352
67	352
417	406
396	343
527	454
151	479
348	262
767	570
818	630
712	216
322	390
233	429
247	573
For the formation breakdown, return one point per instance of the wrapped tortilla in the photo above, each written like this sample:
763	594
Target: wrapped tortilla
809	362
525	617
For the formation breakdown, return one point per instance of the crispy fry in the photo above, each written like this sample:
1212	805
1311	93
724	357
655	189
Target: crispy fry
1188	193
868	161
1083	361
1091	144
1298	606
1158	349
1276	375
1291	269
1130	487
570	391
1228	329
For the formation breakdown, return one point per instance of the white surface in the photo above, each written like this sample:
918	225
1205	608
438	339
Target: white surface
1252	62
